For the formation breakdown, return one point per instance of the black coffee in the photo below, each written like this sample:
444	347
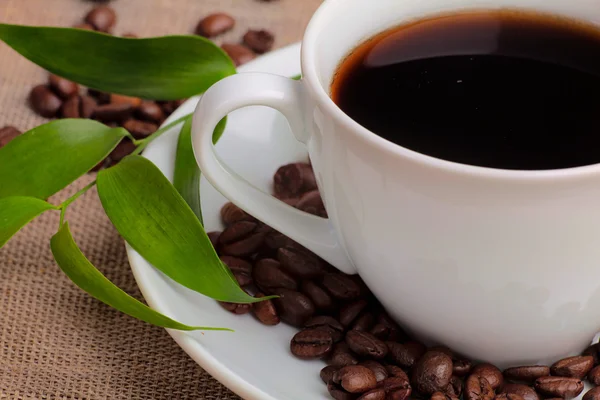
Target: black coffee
502	89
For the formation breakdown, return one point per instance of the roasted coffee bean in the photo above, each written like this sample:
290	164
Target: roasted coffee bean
593	376
300	264
526	374
379	370
366	345
169	106
291	180
63	88
401	394
293	307
327	324
386	329
375	394
558	386
268	276
123	149
246	242
259	41
122	99
341	355
508	396
592	394
592	351
573	367
491	373
214	238
150	111
44	102
236	308
311	344
101	97
78	107
461	366
273	242
84	26
338	393
328	372
341	286
364	322
355	378
442	396
432	372
8	133
241	269
215	24
117	112
442	349
140	129
230	214
396	371
311	199
351	311
478	388
394	383
238	53
405	354
319	296
102	18
265	311
455	387
526	392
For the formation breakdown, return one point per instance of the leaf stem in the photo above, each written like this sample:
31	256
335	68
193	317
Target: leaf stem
63	206
142	143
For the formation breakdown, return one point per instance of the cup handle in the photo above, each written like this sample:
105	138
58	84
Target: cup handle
287	96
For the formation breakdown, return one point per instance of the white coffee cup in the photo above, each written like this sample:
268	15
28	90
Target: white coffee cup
500	265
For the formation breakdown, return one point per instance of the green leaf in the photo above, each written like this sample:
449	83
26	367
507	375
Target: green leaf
297	77
46	159
78	268
156	221
162	68
16	212
186	178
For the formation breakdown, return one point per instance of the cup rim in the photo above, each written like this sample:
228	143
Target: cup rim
321	96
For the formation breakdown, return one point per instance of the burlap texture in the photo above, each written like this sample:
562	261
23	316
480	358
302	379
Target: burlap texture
56	342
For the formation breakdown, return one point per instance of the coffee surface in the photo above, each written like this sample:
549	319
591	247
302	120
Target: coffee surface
501	89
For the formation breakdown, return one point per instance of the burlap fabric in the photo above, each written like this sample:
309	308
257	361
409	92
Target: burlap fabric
56	342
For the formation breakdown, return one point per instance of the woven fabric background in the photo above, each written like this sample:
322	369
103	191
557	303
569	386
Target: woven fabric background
56	342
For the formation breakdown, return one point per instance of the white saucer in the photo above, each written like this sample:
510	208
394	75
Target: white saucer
254	361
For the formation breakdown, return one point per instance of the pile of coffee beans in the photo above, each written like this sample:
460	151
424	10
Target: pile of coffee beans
369	356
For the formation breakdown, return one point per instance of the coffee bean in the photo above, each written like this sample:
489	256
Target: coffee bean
321	298
442	396
491	373
366	345
327	324
592	351
123	149
117	112
44	102
402	394
150	111
338	393
140	129
327	373
461	366
455	387
84	26
101	97
215	24
593	376
355	378
592	394
405	354
63	88
87	106
395	383
214	238
102	18
169	106
246	244
558	386
313	200
341	356
478	388
526	392
508	396
8	133
230	213
432	372
375	394
122	99
236	308
364	322
291	180
378	370
341	286
265	311
351	311
442	349
300	264
237	231
396	371
260	41
526	374
573	367
293	307
241	269
268	276
311	344
386	329
238	53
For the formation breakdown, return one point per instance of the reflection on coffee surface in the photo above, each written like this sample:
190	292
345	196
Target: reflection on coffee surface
499	89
